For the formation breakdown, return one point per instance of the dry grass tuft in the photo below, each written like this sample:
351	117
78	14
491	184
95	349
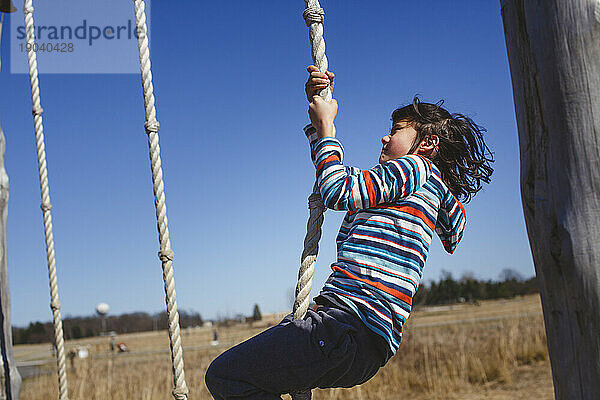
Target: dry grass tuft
449	358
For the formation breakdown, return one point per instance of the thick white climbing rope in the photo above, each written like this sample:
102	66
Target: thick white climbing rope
313	15
309	254
46	206
180	390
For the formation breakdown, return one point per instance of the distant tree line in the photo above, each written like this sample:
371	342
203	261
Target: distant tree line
468	289
227	321
445	291
81	327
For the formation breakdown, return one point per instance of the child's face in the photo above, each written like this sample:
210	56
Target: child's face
399	141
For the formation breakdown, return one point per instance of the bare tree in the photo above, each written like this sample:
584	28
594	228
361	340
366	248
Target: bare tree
554	54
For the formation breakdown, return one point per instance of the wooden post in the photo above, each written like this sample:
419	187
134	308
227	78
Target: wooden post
554	54
10	382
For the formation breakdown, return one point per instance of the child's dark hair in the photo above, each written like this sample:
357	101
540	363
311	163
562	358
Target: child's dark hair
462	156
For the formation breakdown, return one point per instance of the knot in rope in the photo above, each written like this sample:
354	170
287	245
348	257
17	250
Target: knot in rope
46	207
316	201
180	393
313	15
152	126
37	110
55	305
166	255
28	9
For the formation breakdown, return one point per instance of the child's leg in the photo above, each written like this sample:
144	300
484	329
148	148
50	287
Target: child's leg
326	349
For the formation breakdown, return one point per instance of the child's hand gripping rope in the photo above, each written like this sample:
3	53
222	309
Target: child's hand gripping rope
317	81
322	113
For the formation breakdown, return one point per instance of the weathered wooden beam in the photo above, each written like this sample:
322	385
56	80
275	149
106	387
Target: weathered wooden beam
554	53
10	380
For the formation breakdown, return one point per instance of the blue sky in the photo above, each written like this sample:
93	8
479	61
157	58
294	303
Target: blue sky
229	79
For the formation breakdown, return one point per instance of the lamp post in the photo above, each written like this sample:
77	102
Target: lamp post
102	309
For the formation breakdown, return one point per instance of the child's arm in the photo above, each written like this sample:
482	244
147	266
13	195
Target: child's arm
349	188
451	222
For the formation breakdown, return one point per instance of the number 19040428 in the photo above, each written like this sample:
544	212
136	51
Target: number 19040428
48	47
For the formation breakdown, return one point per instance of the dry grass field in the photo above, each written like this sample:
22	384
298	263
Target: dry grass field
494	350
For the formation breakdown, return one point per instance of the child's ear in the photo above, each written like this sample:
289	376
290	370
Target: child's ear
429	145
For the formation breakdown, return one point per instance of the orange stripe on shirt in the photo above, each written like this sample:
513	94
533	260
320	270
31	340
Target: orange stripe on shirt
370	188
378	285
425	199
462	208
412	211
377	268
333	157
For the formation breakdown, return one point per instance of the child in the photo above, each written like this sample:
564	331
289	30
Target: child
430	159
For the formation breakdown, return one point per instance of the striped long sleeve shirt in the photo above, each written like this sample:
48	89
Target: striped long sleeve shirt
393	210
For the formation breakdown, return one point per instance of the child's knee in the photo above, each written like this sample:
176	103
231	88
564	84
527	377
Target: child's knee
214	379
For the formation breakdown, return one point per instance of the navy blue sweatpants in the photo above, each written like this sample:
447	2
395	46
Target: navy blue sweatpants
330	347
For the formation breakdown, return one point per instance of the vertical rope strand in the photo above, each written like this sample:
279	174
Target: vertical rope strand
180	390
46	206
308	259
313	15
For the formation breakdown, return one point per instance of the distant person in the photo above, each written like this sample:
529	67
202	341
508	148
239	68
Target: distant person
72	354
429	160
215	341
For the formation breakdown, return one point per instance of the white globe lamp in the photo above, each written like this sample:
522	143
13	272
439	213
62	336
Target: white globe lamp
102	309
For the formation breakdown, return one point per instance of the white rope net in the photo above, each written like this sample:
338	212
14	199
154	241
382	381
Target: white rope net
46	206
180	390
313	15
